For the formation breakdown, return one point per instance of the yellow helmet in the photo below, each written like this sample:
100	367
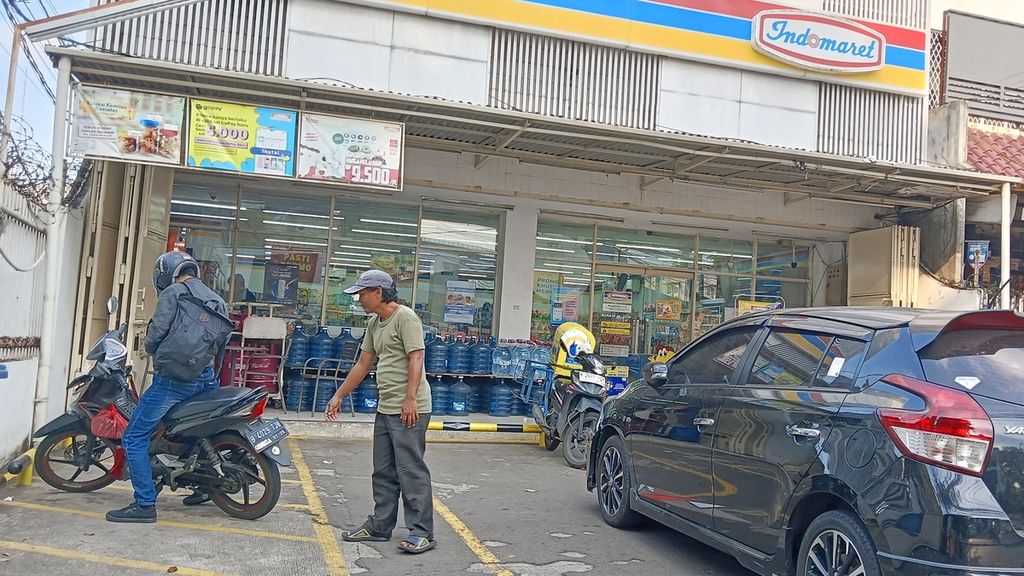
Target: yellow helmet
570	339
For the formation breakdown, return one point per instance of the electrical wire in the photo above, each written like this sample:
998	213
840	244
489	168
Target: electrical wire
39	260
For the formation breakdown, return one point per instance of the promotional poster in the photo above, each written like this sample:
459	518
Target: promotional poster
244	139
129	126
351	151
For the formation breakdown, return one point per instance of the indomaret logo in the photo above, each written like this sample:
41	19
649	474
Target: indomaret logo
818	41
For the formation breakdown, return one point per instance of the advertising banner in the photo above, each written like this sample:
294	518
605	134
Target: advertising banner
280	283
459	302
669	310
129	126
748	306
307	264
239	138
351	151
565	305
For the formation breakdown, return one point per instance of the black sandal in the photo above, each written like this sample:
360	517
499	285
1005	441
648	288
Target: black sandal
364	535
416	545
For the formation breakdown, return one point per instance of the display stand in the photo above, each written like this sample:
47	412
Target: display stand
261	328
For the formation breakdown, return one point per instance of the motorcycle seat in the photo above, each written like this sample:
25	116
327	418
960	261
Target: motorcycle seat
207	403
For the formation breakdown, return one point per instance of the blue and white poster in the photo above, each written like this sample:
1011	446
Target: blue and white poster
459	302
240	138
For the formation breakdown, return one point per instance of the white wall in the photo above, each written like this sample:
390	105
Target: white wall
520	241
729	103
384	50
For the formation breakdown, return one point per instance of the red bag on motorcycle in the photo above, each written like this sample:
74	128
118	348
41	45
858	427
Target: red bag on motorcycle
109	423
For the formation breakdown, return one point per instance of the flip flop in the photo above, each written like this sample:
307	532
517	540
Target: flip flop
363	535
416	545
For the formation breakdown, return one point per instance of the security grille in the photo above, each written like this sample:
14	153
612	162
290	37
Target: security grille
237	35
576	80
911	13
937	69
870	124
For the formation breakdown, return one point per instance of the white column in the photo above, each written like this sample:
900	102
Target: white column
54	245
1004	248
519	245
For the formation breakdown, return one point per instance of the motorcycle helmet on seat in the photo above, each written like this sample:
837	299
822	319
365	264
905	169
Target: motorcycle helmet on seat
169	266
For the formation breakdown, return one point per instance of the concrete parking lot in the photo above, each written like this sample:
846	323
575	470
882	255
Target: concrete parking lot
500	508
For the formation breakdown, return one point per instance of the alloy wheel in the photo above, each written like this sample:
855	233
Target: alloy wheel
833	554
611	481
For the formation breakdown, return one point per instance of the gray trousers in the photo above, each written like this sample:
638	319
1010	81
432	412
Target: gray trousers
398	468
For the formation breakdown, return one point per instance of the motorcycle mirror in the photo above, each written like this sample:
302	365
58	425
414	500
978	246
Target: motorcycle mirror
655	373
113	305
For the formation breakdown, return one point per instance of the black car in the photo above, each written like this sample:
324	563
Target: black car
830	441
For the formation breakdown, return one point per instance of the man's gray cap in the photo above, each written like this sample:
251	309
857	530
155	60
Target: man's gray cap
371	279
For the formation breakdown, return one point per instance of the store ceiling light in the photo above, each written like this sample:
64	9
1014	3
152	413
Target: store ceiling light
349	261
210	216
300	214
382	233
369	248
205	204
574	267
240	255
296	224
652	248
359	254
295	242
388	222
565	240
549	270
679	260
464	275
726	255
562	250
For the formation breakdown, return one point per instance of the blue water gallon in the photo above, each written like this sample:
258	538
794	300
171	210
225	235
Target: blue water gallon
368	398
324	393
501	360
298	347
501	399
458	357
435	358
481	357
458	404
476	395
322	346
439	395
294	389
346	348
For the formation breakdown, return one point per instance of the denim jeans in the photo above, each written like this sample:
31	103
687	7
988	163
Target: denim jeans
161	396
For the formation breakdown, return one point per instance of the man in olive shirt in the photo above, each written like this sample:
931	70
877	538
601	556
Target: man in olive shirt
394	335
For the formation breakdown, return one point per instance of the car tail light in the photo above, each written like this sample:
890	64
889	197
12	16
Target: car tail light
953	431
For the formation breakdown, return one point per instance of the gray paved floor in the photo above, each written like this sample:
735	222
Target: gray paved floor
523	512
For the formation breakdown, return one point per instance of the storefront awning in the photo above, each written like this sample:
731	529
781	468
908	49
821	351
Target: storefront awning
656	156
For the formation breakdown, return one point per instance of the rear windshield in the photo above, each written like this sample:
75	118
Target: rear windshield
988	362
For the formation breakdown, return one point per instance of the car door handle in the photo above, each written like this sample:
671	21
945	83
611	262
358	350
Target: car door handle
798	432
703	422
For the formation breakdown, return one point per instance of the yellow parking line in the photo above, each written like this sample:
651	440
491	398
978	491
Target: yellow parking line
321	525
167	523
109	560
474	543
295	506
290	481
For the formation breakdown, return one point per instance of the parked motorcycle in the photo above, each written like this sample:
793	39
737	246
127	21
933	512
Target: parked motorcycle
568	409
216	441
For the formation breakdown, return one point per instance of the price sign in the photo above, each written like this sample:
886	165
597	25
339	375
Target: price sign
372	175
351	151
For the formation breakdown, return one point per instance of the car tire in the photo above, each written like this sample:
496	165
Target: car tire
614	485
820	555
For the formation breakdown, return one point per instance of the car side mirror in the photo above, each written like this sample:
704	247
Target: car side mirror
655	373
113	305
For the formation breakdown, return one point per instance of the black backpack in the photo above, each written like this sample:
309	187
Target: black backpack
198	335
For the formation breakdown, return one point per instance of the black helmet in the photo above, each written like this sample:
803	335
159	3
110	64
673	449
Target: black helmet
171	265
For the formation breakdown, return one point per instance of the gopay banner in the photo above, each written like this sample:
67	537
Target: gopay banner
351	151
239	138
125	125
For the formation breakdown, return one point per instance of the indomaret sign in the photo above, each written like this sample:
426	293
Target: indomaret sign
818	41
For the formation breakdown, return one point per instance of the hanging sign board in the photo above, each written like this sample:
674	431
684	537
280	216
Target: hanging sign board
243	139
351	151
977	253
125	125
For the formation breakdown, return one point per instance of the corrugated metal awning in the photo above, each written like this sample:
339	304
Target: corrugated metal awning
459	127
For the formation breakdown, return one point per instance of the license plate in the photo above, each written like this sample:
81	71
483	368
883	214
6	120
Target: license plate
266	434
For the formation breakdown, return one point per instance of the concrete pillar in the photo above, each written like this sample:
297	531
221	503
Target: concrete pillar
519	245
1004	248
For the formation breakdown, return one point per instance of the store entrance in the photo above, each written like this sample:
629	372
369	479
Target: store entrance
641	312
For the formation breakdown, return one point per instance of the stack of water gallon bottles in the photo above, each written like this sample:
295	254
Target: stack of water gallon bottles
317	365
469	375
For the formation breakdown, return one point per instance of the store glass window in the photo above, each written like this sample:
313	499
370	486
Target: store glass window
378	236
643	248
720	297
782	259
282	252
203	224
773	292
456	271
726	255
561	277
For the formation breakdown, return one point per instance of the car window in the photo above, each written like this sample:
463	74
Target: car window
713	360
839	368
789	358
986	361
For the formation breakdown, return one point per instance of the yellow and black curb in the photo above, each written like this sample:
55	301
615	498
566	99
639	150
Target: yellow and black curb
484	427
19	469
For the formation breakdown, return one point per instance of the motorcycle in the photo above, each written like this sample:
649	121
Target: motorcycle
216	441
570	408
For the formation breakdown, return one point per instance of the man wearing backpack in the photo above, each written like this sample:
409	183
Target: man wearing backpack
187	335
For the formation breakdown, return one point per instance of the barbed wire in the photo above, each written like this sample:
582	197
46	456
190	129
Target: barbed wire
28	169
